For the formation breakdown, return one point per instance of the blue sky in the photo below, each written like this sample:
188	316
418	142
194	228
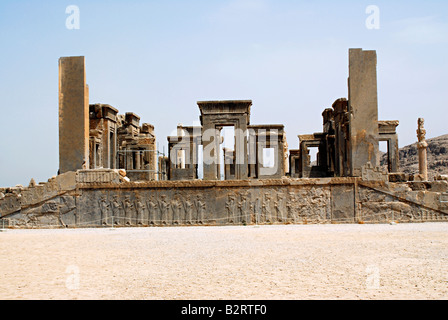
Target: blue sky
157	58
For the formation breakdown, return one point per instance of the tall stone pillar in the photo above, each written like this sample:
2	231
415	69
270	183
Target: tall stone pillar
422	145
363	110
73	115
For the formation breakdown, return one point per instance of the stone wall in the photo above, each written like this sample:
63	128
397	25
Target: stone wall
247	202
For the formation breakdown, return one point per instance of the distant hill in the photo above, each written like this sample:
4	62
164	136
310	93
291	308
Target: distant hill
437	157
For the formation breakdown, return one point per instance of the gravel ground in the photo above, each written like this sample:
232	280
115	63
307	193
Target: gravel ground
353	261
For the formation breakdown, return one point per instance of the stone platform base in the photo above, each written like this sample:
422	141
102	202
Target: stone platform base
245	202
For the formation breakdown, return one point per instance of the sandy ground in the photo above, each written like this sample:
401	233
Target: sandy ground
403	261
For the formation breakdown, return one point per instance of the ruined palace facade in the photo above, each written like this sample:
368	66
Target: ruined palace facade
111	174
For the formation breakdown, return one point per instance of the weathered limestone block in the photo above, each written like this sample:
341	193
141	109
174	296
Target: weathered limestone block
45	191
441	177
73	115
443	201
398	177
342	201
363	110
98	176
433	186
419	177
9	204
370	173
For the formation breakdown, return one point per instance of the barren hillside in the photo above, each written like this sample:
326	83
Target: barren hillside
437	157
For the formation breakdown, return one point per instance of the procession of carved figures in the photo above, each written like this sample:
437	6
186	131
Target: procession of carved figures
272	206
241	207
234	206
153	210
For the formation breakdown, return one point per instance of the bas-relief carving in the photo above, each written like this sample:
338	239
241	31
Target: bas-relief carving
105	209
177	209
380	207
276	205
141	212
158	209
231	208
188	207
52	213
163	206
279	206
152	210
257	209
259	205
266	209
311	204
243	208
117	209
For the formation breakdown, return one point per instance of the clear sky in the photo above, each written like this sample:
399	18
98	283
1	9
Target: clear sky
158	58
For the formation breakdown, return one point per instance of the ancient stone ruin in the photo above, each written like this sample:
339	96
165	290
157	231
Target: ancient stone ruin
111	173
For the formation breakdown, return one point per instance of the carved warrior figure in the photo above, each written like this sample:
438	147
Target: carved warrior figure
152	211
266	208
117	210
279	207
129	210
240	203
140	206
163	207
176	206
230	207
243	209
188	207
105	210
200	209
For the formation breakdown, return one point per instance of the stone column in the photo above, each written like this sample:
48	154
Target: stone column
363	110
422	145
73	115
137	156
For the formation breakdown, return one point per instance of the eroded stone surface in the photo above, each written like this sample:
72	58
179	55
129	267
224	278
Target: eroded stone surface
276	201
